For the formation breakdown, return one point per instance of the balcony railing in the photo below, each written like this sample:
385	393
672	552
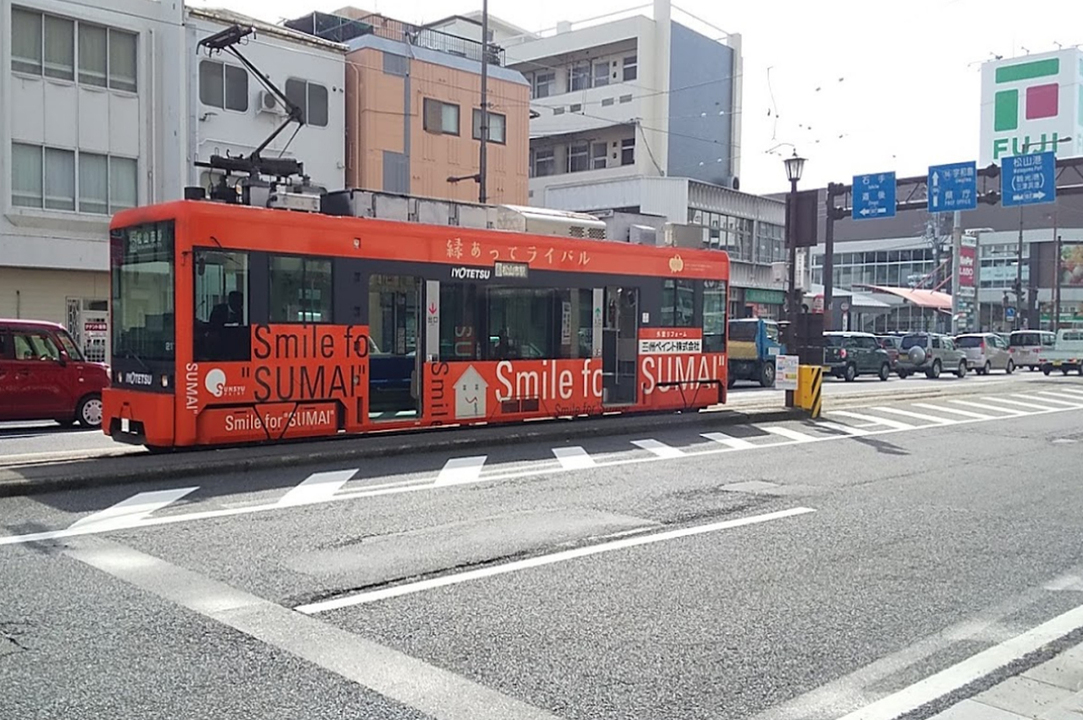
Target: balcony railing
341	29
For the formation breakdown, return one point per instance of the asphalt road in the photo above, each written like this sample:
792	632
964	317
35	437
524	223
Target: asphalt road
798	570
31	438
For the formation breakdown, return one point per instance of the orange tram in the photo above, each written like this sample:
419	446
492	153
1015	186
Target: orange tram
234	324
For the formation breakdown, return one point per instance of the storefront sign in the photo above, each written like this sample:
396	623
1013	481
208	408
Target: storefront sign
764	297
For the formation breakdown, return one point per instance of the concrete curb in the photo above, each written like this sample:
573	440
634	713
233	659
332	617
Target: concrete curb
143	467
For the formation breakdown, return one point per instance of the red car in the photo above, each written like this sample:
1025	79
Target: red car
43	376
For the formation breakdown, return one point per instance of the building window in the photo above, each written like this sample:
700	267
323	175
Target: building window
441	117
544	162
93	55
45	45
629	68
544	84
601	73
575	107
311	98
597	156
625	99
395	64
578	157
122	62
497	127
300	290
628	151
223	86
44	177
579	77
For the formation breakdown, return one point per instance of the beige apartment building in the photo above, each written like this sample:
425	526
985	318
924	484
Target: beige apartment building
413	117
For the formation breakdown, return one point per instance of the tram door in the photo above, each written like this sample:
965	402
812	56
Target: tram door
394	322
620	346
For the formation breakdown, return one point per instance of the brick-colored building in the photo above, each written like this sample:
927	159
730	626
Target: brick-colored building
412	109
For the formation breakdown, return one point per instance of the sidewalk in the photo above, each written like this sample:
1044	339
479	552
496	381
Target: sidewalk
1050	691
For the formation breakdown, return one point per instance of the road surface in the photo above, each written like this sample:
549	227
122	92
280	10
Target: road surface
814	570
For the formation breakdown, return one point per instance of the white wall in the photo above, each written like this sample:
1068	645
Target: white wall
69	115
216	131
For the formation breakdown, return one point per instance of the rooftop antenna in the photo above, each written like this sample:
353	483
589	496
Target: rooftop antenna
255	164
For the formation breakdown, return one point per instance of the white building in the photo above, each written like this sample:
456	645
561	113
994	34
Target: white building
230	112
91	99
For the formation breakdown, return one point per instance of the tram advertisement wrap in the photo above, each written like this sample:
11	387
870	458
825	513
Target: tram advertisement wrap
278	393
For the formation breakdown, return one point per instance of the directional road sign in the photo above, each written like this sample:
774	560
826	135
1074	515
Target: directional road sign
953	187
1029	179
874	196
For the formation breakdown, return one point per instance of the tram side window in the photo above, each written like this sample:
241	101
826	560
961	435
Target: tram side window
714	316
522	322
300	290
220	301
678	303
460	322
573	313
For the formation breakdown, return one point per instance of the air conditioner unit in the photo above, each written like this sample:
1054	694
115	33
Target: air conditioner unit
269	103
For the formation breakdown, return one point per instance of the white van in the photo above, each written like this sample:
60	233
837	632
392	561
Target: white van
1027	346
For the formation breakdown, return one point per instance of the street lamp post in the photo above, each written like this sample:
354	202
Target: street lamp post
795	166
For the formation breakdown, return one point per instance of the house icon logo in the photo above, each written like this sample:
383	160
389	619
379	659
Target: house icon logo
471	392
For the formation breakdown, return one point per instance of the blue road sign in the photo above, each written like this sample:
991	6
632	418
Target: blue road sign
1009	314
953	187
873	196
1028	179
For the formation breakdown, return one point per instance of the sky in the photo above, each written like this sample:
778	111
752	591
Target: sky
855	86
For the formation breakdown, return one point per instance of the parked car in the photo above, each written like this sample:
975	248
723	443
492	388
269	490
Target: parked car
986	352
849	354
892	345
1066	354
1026	346
44	376
931	353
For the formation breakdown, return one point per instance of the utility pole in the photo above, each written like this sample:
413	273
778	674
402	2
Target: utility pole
1057	282
483	151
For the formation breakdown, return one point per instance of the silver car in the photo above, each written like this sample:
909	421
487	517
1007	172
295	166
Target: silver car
986	352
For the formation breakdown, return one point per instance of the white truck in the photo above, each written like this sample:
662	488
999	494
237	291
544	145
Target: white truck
1065	355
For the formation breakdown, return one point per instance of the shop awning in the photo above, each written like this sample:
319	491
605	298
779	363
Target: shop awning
922	298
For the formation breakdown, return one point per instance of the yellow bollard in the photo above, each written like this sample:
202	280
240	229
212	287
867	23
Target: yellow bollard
810	381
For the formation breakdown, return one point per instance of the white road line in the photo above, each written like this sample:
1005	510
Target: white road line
788	433
132	511
316	488
969	670
1053	398
573	458
1029	406
540	561
869	418
729	441
461	470
658	448
964	413
994	408
535	470
407	680
839	427
1072	391
916	416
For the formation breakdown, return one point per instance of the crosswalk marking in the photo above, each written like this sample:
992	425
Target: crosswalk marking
1029	406
573	458
724	439
1072	391
788	433
1053	398
839	427
916	416
461	470
317	487
963	413
869	418
131	511
994	408
658	448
